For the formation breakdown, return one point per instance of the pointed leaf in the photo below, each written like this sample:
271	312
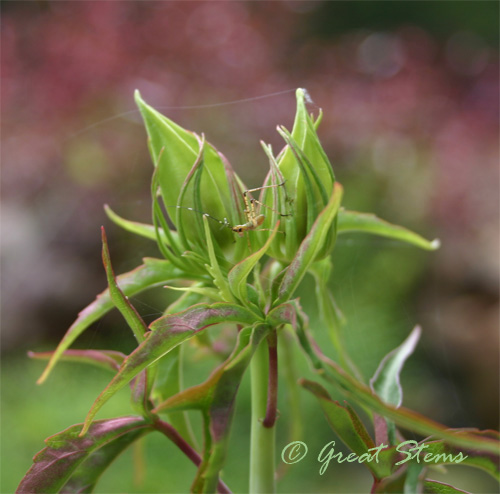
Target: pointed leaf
141	229
348	426
214	269
305	136
386	381
216	397
435	487
310	247
121	302
208	292
444	453
168	332
174	151
153	273
238	275
352	221
405	418
413	480
106	359
68	454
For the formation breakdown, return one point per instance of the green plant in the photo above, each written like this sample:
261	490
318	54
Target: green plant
248	283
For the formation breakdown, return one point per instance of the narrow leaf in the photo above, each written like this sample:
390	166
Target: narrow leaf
435	487
214	269
215	398
106	359
238	275
405	418
310	247
443	453
127	310
67	451
166	333
352	221
386	381
348	426
153	273
142	229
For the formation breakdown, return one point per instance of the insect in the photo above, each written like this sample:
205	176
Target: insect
252	215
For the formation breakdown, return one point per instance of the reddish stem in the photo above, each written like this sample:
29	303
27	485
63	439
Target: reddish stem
272	387
186	448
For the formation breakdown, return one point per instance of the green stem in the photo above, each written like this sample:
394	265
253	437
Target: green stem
262	442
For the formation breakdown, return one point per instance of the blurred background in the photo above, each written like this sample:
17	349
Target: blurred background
409	92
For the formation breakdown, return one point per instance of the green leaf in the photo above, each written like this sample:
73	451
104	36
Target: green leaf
310	247
238	275
435	487
174	151
214	269
141	229
278	207
305	136
153	273
386	382
121	302
352	221
74	463
413	480
166	333
207	292
330	314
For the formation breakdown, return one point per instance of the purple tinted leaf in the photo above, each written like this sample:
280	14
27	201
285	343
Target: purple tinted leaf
221	406
107	359
67	453
215	397
348	426
153	273
444	453
166	333
403	417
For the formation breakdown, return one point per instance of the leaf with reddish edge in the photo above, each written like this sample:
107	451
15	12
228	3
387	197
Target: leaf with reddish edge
68	454
237	277
290	313
166	333
348	426
121	302
215	398
352	221
310	247
153	273
106	359
435	487
444	453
